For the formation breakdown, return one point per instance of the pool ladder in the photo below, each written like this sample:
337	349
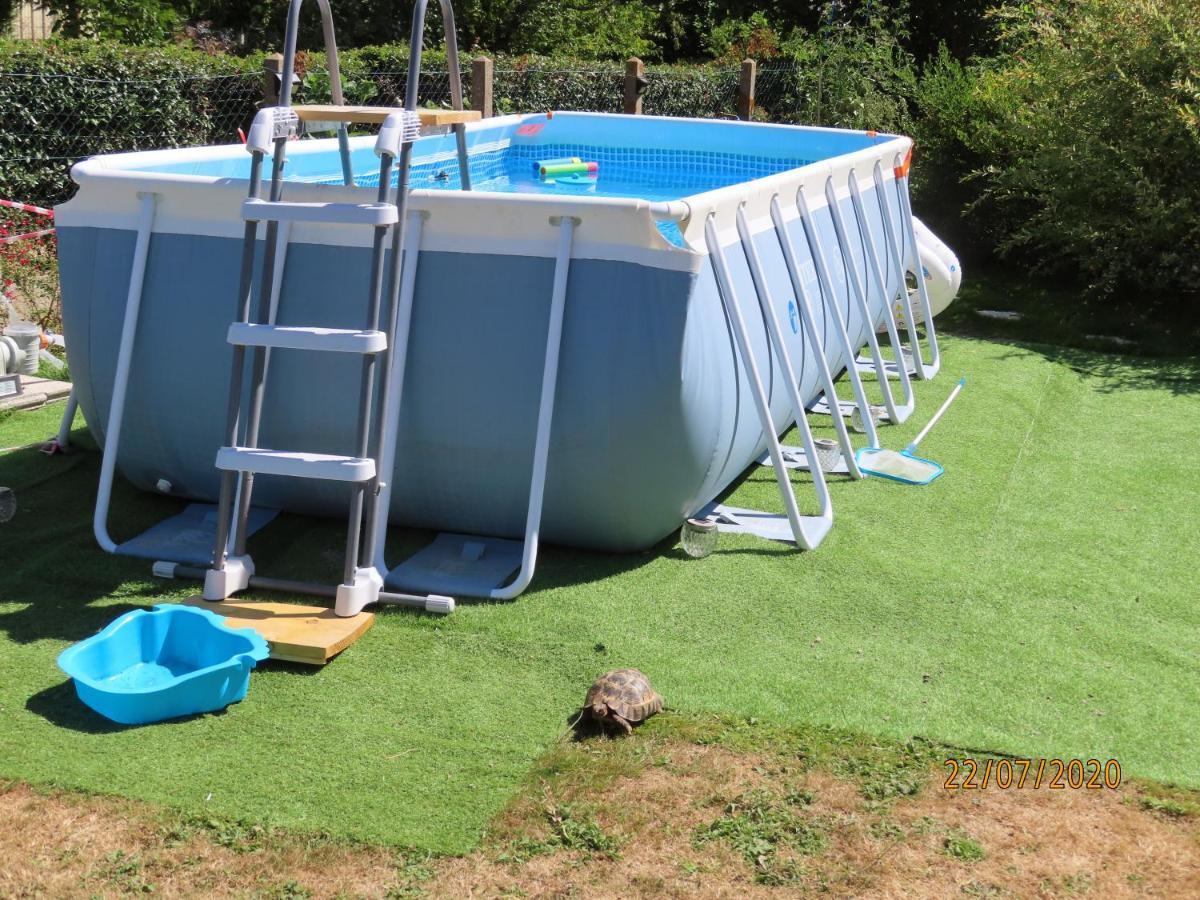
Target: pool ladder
241	460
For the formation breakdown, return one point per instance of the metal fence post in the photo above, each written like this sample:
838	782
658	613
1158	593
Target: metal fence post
746	89
635	83
272	76
481	85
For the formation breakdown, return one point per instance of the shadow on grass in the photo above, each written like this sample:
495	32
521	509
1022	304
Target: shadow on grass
1116	372
1069	327
60	705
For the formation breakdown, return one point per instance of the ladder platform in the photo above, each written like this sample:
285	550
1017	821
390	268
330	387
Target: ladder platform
769	526
865	364
845	407
735	520
312	635
375	115
796	458
296	464
291	337
457	565
376	214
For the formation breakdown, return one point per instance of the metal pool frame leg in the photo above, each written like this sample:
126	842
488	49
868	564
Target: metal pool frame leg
933	366
805	532
799	456
393	392
116	412
817	250
897	413
541	448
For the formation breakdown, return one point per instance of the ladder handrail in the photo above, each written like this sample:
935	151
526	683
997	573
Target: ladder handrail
416	40
335	73
896	413
415	46
728	295
894	241
808	322
816	249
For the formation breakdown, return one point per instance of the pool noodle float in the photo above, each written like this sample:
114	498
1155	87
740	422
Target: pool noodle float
562	160
580	168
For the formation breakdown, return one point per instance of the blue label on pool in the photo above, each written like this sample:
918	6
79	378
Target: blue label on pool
792	317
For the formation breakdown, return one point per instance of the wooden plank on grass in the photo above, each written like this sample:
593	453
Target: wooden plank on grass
305	634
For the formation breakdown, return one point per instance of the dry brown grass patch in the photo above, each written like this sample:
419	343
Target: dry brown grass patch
675	811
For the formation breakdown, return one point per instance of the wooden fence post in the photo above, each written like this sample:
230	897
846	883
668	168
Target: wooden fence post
635	83
272	78
746	89
481	85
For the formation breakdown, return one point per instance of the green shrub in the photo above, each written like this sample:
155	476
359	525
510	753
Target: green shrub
853	73
1079	142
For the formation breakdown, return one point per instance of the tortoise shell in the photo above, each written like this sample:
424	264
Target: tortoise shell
626	692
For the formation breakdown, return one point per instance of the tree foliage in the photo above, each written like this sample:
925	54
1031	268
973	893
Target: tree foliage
1079	141
666	30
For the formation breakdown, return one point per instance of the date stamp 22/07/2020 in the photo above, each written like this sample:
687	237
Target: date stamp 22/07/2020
1056	774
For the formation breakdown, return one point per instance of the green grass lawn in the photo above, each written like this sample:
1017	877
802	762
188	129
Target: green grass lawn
1039	599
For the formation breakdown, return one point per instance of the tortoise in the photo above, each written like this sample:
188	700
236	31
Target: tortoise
621	698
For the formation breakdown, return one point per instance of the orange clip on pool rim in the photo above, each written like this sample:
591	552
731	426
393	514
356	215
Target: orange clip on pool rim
902	169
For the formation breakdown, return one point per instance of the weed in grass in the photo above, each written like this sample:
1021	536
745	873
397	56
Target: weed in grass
1078	883
289	890
963	847
405	891
982	889
781	873
1165	806
1166	801
926	825
415	867
758	825
177	834
124	872
568	831
886	831
240	837
886	771
585	835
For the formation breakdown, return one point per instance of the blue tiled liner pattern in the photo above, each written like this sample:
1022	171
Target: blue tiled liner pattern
679	171
687	171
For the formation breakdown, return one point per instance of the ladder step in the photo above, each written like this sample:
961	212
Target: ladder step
377	214
296	464
289	337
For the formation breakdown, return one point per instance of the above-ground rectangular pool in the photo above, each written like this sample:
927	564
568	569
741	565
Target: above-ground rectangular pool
653	417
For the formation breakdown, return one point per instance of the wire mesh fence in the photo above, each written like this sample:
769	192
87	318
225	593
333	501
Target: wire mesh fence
49	121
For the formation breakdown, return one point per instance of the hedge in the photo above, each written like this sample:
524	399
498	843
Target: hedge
61	101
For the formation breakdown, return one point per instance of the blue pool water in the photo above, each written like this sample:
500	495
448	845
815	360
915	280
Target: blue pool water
643	173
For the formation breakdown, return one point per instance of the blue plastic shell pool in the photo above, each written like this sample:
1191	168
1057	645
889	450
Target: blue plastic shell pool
172	661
